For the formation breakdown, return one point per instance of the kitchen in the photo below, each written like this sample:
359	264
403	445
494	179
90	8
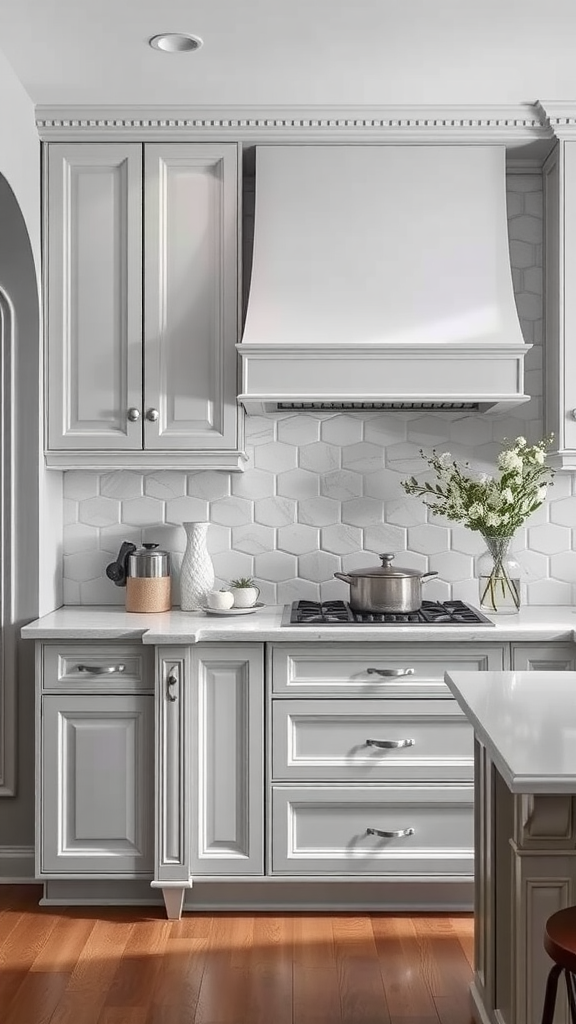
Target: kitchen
320	491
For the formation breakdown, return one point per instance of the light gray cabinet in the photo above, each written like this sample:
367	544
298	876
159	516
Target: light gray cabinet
209	764
142	305
554	657
371	760
94	794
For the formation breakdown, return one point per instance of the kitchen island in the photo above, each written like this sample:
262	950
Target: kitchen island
525	830
236	762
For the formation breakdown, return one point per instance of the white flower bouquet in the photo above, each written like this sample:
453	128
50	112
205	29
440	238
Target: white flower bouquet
495	506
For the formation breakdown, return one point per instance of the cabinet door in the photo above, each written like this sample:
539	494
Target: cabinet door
94	296
227	760
96	806
544	657
191	242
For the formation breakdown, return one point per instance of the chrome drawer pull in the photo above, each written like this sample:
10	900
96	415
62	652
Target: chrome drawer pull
390	672
398	834
171	681
390	744
101	670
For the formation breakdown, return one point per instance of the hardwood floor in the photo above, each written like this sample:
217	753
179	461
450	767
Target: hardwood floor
95	965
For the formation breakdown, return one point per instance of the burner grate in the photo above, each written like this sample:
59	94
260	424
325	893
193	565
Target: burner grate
339	613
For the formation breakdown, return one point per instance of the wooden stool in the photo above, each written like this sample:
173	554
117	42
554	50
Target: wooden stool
560	944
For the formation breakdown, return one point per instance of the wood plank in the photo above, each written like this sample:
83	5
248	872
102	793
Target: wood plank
407	994
225	988
93	973
135	979
37	998
67	939
315	992
463	926
360	983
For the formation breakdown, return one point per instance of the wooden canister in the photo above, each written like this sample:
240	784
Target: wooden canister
148	594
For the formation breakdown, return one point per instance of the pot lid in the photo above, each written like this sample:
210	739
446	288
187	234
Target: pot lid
387	569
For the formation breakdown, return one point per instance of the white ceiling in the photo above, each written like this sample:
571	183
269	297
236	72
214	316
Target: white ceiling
293	52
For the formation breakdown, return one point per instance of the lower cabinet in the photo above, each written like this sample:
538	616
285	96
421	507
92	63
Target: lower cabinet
97	785
371	760
95	769
210	762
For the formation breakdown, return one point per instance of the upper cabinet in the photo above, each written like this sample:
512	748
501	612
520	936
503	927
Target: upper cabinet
560	263
142	276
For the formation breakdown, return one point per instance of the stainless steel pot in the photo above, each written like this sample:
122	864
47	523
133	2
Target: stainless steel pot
385	588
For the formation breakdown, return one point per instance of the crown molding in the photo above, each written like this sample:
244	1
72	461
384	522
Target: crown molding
559	116
510	125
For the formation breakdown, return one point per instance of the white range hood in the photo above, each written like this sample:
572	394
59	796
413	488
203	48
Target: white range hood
381	279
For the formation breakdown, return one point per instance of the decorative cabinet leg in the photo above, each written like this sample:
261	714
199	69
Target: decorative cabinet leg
173	901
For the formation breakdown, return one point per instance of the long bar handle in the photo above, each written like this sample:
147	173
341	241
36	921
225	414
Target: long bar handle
390	744
382	834
395	672
171	681
101	670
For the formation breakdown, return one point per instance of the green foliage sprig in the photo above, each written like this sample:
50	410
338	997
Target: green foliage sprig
496	505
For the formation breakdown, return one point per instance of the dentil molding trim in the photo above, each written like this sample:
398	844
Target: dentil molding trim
509	124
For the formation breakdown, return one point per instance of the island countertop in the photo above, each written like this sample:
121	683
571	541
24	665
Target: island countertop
82	622
527	722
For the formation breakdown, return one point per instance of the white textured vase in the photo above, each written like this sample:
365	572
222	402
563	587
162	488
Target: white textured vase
197	572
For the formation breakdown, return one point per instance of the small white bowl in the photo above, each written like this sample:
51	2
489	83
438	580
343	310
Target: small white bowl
219	600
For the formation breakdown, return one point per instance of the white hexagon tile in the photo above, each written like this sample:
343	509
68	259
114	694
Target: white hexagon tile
322	491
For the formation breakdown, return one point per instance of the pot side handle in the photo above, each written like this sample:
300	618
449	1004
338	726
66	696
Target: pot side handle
425	575
347	579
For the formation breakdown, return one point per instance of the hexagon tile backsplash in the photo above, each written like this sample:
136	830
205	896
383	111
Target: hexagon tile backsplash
321	491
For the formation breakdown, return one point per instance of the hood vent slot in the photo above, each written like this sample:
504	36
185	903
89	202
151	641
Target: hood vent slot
356	406
381	278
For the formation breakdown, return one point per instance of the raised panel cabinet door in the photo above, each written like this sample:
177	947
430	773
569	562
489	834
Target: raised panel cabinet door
544	657
97	802
191	296
94	296
228	761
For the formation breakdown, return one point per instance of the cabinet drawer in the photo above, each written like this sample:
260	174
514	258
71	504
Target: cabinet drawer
323	830
320	740
97	668
410	669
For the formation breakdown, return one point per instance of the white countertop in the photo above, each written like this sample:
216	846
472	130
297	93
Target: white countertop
78	622
527	722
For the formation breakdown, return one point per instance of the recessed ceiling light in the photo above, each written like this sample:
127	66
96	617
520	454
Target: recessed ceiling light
175	42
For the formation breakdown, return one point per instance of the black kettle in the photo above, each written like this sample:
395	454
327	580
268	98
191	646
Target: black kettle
117	571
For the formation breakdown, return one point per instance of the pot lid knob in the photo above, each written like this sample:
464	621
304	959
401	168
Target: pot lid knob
386	560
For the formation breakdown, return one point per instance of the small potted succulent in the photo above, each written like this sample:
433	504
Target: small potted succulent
245	592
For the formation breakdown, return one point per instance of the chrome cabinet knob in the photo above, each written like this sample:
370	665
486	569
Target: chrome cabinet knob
133	415
152	415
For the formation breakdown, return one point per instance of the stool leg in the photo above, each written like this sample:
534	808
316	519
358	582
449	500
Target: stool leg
550	995
571	986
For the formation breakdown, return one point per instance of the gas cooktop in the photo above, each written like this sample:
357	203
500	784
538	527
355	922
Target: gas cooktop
339	613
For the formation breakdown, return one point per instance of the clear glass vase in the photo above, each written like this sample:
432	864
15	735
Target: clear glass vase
499	577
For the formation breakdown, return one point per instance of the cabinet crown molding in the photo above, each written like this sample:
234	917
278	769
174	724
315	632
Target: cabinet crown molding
507	123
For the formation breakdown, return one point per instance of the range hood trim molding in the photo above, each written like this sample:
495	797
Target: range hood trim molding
266	371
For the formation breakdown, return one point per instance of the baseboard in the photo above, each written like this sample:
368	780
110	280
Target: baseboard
278	895
16	864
